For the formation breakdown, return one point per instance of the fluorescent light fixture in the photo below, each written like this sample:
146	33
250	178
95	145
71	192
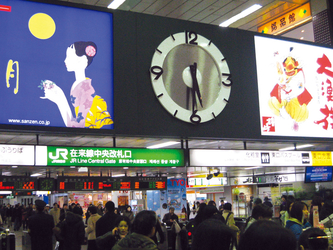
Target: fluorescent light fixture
118	175
72	167
252	168
14	166
297	147
241	15
125	167
173	167
34	175
5	192
163	145
43	192
82	170
115	4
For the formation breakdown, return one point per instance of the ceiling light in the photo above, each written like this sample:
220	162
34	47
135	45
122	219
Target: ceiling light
72	166
35	175
115	4
14	166
302	38
241	15
302	31
297	147
252	168
163	145
125	167
118	175
5	192
173	167
83	170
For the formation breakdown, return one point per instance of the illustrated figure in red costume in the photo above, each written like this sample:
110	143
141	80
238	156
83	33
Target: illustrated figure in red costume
289	97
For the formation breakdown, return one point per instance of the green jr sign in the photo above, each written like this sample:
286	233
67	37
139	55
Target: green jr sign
118	157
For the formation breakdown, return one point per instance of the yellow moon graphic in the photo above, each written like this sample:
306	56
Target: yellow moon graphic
42	26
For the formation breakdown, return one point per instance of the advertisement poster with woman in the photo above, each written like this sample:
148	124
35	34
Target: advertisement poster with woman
57	65
295	88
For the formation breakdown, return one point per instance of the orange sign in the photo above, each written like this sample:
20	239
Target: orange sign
286	21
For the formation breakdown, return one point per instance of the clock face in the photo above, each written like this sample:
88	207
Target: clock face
190	77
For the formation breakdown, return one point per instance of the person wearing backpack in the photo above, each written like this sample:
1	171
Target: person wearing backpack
229	218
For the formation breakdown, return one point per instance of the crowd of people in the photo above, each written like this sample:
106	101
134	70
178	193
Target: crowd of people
292	230
213	227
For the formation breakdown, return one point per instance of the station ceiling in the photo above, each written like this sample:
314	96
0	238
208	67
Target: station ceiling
205	11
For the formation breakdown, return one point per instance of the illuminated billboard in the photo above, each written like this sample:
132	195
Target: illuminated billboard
56	65
295	88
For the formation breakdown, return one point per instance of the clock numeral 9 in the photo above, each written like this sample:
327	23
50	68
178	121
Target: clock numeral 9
188	36
195	118
228	79
156	70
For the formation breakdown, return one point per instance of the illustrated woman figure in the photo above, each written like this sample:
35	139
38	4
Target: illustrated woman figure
90	109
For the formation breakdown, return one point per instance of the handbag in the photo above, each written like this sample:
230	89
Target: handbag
175	227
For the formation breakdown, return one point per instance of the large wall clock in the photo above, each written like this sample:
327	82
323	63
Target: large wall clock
190	77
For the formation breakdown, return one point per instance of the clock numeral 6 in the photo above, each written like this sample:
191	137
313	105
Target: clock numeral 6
188	36
156	70
195	118
228	79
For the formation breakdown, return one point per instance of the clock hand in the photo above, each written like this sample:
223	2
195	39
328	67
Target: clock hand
194	99
195	85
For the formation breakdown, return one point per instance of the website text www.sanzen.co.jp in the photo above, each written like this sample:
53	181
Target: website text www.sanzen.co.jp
33	122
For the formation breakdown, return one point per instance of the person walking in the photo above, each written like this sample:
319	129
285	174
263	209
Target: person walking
169	219
40	228
108	220
9	212
129	213
70	232
63	211
91	228
55	212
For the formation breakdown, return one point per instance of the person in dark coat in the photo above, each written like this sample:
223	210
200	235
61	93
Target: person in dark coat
18	217
40	228
327	208
107	222
168	219
70	232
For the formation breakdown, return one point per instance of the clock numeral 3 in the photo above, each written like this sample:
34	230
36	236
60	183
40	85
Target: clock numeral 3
228	79
156	70
195	118
188	37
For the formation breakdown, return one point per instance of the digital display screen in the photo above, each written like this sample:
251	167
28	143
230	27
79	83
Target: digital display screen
18	183
318	174
46	184
150	185
110	184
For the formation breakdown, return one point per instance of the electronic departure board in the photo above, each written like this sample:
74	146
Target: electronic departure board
17	183
68	183
46	184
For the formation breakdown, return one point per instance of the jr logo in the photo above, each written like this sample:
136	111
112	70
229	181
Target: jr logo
60	151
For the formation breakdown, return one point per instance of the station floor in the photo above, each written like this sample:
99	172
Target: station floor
20	242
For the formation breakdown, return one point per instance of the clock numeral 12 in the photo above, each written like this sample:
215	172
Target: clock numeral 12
188	36
156	70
